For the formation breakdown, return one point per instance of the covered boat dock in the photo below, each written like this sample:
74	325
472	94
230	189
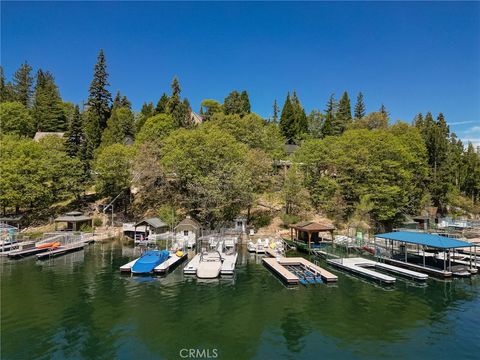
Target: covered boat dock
429	253
308	233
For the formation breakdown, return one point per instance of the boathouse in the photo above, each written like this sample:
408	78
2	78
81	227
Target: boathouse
188	229
308	232
151	226
433	254
74	221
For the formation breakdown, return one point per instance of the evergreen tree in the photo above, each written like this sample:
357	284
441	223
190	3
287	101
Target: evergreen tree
74	135
48	111
125	103
93	133
175	107
384	111
360	110
99	98
418	121
329	125
275	112
162	105
245	103
232	104
344	113
7	93
287	119
22	85
120	127
301	122
117	100
148	110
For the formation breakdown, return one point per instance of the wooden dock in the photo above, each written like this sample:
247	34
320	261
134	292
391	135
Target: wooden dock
278	266
17	254
353	265
53	252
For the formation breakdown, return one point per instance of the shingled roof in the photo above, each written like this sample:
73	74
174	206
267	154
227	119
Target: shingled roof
312	226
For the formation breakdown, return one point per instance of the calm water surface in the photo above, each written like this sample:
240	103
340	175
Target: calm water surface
80	307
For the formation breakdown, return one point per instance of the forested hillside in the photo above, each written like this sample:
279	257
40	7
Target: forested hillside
351	163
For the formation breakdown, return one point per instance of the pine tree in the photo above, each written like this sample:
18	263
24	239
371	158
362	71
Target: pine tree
245	103
74	135
287	119
22	85
93	133
232	104
418	121
148	110
7	93
360	109
275	112
48	112
384	111
125	103
99	98
176	107
301	122
162	105
329	126
344	113
117	100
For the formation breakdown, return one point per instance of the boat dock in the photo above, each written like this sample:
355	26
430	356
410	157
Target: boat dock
170	263
425	269
52	252
228	264
163	268
366	263
192	266
297	270
29	251
356	266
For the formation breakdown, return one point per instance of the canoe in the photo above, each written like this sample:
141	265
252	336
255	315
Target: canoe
149	260
49	245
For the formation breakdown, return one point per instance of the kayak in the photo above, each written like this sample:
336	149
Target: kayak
49	245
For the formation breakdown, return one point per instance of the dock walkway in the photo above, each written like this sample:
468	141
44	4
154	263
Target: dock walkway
354	265
425	269
228	264
60	250
170	263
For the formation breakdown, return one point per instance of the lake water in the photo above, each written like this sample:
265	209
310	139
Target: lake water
80	307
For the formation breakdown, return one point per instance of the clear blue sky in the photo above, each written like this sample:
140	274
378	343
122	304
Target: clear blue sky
413	57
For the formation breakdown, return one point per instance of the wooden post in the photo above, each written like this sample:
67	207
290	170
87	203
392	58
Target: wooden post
405	249
423	250
309	238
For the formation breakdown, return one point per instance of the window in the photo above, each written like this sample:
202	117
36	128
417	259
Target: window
185	232
239	224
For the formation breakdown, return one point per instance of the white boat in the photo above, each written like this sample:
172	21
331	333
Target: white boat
192	266
251	247
259	247
210	265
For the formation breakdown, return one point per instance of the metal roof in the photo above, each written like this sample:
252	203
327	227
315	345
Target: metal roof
425	239
155	223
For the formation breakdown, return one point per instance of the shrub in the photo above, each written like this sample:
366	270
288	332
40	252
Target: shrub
289	219
97	222
261	219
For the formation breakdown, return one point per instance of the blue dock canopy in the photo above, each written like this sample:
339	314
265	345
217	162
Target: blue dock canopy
435	241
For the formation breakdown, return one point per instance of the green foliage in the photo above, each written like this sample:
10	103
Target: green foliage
330	125
176	108
156	129
344	112
120	127
237	104
7	93
92	131
210	107
293	120
112	168
315	124
36	174
372	121
360	109
22	85
261	219
161	107
16	119
48	110
289	219
386	168
97	222
168	214
251	130
295	196
75	137
99	97
275	112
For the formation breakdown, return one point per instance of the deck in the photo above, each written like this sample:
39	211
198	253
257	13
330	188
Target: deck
278	265
354	265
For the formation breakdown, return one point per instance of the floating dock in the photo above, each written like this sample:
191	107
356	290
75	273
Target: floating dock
297	270
354	265
425	269
228	264
52	252
163	268
366	263
192	266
